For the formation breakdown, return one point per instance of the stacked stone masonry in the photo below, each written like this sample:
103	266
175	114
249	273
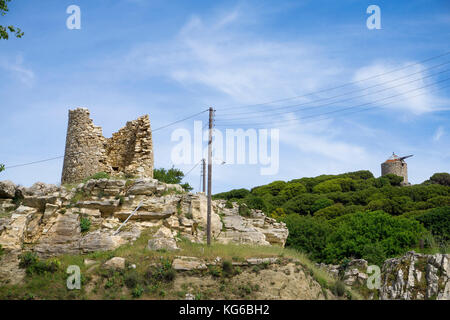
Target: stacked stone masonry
128	151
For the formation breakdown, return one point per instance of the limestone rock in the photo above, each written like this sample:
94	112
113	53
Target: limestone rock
13	234
146	186
182	263
99	241
7	189
116	263
162	240
62	237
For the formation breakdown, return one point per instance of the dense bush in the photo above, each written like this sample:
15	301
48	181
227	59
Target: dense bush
308	234
437	221
33	265
342	204
392	235
442	178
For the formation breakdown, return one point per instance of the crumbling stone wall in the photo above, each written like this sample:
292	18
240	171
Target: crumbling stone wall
128	151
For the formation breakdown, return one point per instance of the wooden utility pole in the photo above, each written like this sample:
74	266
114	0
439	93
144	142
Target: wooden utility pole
208	217
204	175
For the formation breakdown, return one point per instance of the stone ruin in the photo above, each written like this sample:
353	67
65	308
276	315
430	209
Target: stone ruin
129	151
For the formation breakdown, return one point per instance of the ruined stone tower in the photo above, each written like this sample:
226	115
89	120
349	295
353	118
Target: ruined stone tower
396	165
128	151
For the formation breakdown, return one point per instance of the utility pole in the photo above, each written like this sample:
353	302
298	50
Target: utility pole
209	203
204	175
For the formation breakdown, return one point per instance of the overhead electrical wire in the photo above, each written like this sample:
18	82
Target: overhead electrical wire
339	86
60	157
335	102
337	111
335	96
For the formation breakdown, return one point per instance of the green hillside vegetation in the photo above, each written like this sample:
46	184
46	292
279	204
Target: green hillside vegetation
333	218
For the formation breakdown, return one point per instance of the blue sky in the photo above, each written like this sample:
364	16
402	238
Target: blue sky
170	59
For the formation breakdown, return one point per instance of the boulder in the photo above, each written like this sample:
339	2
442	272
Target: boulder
162	240
144	186
7	189
116	263
182	263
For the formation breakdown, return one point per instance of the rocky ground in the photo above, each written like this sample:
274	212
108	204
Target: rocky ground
51	221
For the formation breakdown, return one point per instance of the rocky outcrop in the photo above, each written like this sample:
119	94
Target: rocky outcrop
49	219
7	189
411	277
163	239
256	229
416	276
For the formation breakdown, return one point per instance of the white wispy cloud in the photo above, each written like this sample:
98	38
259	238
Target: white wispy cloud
411	88
439	133
16	68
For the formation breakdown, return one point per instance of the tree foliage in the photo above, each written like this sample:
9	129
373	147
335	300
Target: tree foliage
5	30
171	176
328	216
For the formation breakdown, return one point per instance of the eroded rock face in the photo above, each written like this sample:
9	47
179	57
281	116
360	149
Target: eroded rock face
163	239
116	263
257	229
48	221
411	277
7	189
416	276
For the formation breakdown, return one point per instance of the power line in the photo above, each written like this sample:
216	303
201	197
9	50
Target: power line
339	95
339	86
337	111
340	101
59	157
356	111
195	166
34	162
178	121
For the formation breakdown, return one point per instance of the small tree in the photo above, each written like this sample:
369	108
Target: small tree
171	176
2	167
4	29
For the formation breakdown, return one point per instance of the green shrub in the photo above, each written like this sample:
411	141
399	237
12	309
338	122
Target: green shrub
308	234
97	176
27	259
437	221
227	267
292	190
162	272
232	194
85	224
244	210
131	279
394	235
32	264
331	212
442	178
338	288
229	204
137	292
273	188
